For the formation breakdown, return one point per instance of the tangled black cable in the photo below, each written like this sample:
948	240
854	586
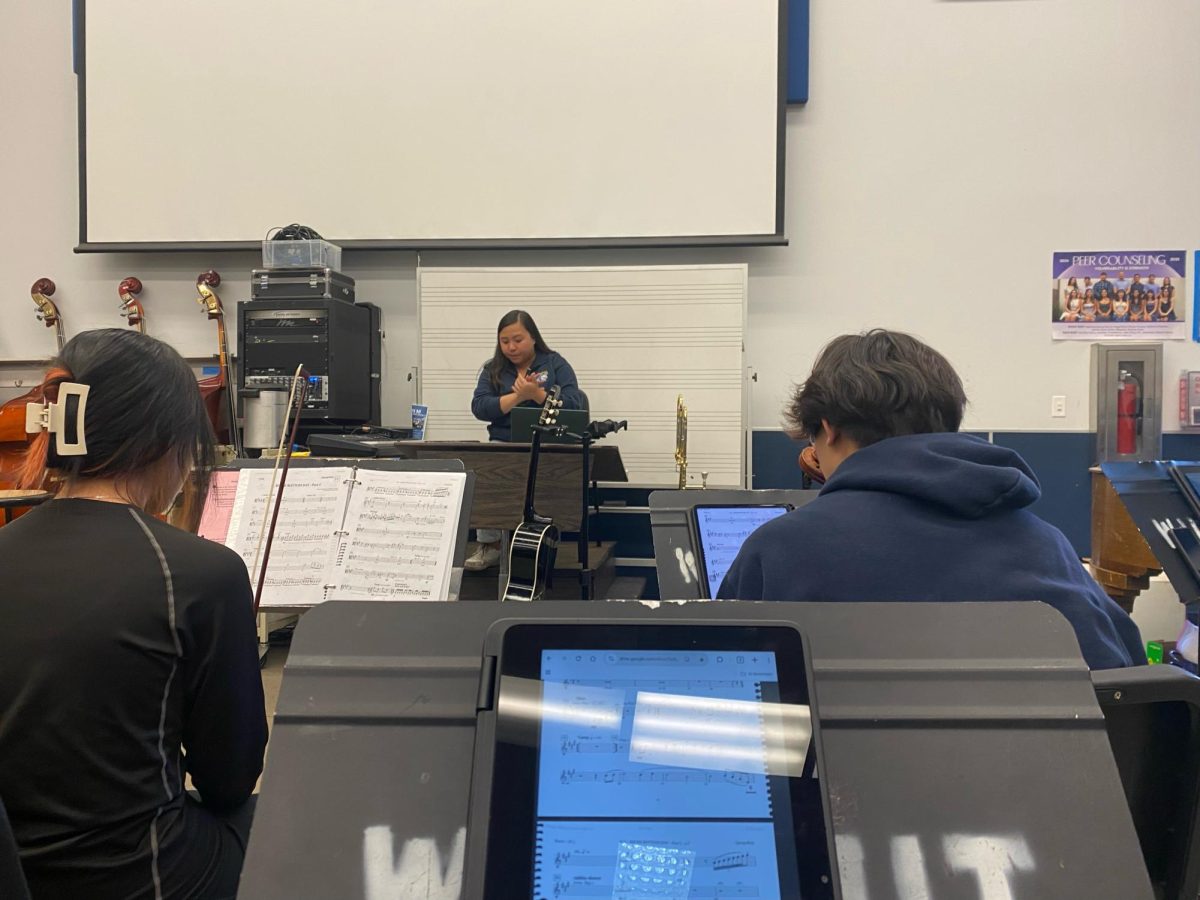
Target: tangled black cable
293	232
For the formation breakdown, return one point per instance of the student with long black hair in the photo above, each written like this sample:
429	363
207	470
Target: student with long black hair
521	371
128	655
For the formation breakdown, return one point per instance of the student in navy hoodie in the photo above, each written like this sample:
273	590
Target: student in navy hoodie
912	510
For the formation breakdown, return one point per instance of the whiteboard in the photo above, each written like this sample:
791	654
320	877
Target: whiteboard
637	337
431	124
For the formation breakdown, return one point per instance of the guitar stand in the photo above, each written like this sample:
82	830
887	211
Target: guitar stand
587	577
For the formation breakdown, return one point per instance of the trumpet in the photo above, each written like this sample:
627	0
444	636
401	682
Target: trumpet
681	429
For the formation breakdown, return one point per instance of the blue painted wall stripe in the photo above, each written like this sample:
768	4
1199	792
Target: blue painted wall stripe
1059	459
797	54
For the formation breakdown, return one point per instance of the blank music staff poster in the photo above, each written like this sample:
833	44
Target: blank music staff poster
636	336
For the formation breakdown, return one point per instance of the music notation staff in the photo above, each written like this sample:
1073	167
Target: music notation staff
725	861
374	509
593	745
658	776
695	892
374	530
366	560
662	685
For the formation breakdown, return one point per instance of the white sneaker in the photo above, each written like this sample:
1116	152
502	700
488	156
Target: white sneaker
484	557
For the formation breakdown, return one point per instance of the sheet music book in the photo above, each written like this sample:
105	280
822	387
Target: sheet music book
343	532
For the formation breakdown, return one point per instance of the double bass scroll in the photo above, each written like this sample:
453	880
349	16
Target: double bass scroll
131	307
41	292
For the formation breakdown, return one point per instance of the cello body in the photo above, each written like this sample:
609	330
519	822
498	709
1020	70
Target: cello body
13	439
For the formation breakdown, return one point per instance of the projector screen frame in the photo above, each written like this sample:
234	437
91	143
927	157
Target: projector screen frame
778	238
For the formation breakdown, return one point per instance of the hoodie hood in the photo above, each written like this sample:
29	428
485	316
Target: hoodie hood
962	474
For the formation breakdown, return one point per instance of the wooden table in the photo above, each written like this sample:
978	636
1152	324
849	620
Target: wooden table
1122	562
501	472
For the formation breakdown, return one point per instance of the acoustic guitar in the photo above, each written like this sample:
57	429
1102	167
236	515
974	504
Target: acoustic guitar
535	542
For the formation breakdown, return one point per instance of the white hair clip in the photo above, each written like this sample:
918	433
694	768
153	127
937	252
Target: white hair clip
52	417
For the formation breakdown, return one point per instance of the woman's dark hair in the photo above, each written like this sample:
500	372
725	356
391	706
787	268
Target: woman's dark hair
499	360
144	407
878	385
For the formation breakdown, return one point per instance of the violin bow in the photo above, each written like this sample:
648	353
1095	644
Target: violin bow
296	400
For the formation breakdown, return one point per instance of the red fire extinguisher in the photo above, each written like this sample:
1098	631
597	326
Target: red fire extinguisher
1129	412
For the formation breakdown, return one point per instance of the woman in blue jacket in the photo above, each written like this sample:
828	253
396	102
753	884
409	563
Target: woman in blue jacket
520	373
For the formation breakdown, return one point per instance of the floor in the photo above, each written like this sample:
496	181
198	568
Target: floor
272	676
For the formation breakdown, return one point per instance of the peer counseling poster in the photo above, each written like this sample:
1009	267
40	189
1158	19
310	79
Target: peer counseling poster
1119	295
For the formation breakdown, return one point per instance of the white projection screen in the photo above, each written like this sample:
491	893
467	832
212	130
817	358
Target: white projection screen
401	123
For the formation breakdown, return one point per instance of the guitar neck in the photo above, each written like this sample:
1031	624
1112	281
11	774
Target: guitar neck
535	451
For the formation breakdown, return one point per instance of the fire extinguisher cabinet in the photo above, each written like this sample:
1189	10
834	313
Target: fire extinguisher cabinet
1127	404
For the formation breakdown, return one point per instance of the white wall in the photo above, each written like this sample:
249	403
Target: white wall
949	149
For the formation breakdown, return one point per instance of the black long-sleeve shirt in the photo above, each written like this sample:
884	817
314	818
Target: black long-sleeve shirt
128	658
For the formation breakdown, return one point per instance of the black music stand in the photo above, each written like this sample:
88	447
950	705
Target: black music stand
1152	715
675	540
587	577
962	739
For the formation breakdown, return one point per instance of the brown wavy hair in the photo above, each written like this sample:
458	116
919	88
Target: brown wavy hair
877	385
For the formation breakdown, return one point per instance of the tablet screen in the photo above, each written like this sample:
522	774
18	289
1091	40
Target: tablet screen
669	762
720	533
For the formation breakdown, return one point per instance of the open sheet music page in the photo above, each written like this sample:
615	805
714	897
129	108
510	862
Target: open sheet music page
400	532
304	544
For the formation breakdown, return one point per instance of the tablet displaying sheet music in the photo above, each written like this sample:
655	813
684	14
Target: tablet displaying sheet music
720	532
655	761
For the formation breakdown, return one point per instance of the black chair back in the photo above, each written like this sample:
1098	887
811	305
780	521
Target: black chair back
1152	715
